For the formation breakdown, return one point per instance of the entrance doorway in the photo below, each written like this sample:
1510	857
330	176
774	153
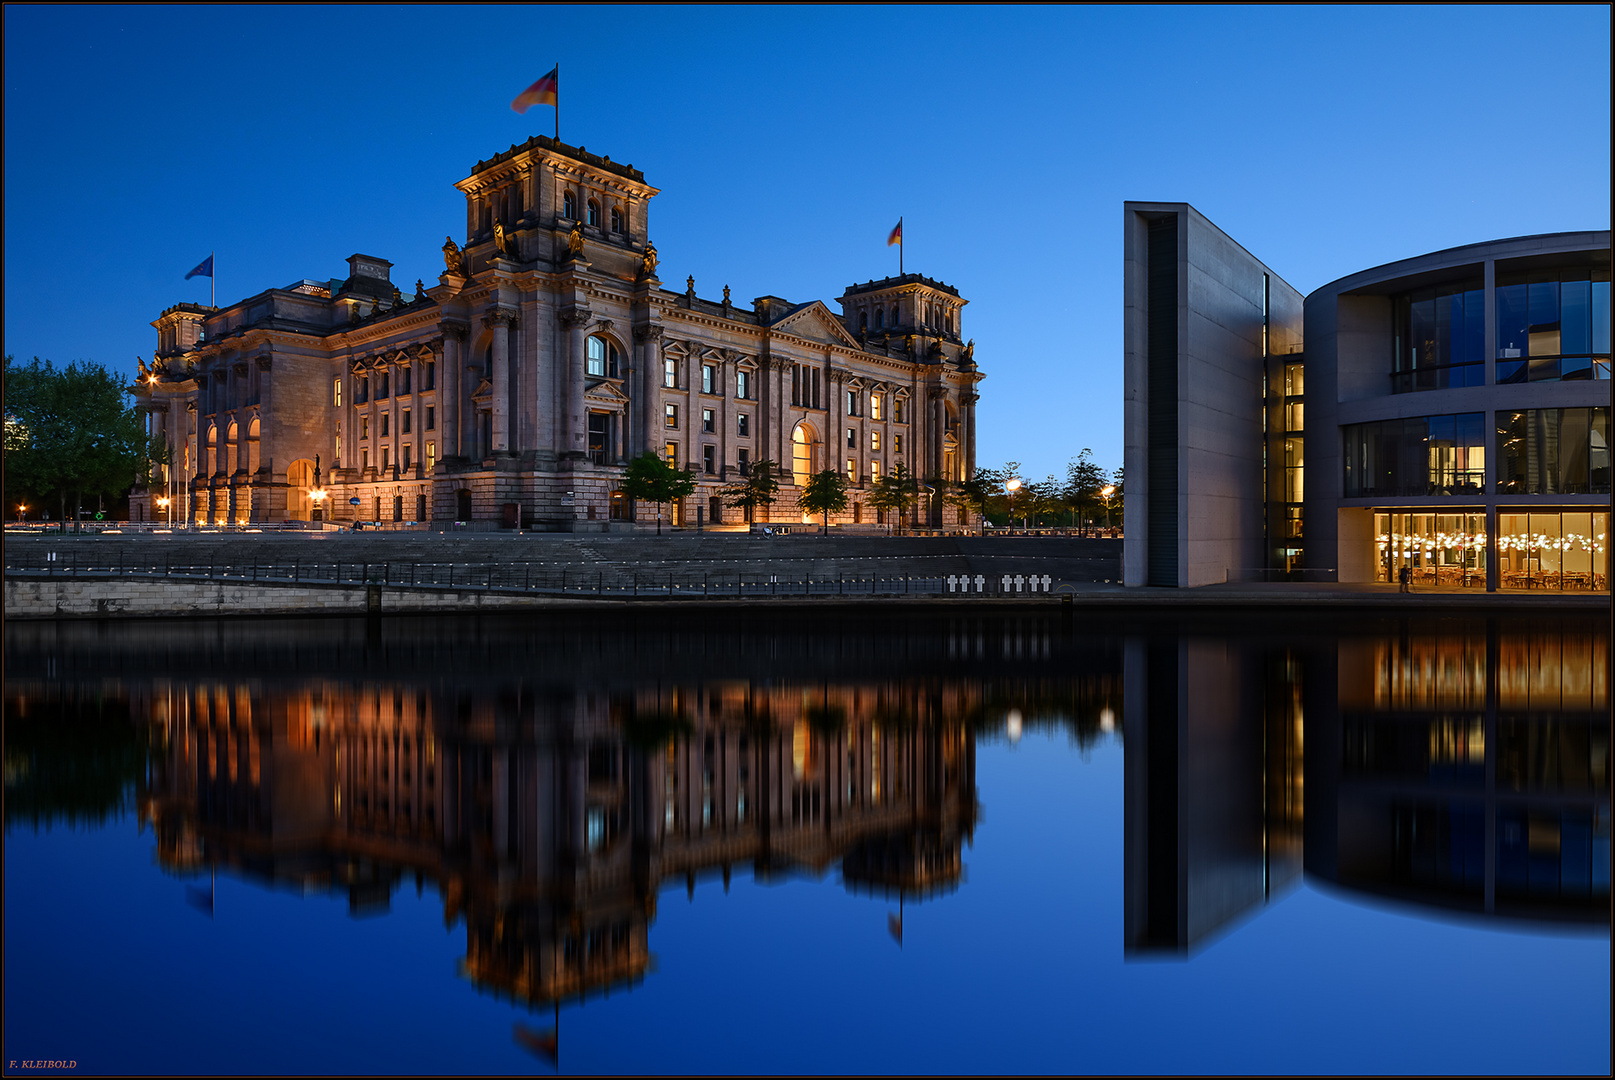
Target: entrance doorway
462	505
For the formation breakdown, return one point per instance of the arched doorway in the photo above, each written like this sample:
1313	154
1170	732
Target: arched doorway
299	482
803	439
462	505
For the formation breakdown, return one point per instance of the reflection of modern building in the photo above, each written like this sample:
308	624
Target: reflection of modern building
545	356
550	824
1454	408
1462	768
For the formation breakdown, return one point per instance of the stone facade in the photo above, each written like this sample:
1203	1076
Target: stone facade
545	357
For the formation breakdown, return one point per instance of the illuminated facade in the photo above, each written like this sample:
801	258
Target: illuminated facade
547	355
1454	409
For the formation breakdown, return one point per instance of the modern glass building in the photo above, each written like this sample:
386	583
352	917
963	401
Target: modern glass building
1454	409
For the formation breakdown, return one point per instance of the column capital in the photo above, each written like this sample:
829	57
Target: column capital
648	333
453	329
499	317
575	318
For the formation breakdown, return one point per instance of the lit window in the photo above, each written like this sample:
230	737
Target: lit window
672	413
852	470
874	472
337	394
431	455
670	373
897	444
874	406
874	441
364	427
742	424
897	411
672	451
337	462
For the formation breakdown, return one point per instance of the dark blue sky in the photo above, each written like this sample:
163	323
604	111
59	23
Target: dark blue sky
787	141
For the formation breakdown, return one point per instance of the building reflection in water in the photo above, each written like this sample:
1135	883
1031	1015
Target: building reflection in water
550	794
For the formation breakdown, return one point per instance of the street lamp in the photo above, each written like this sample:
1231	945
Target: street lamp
318	495
168	518
22	512
1106	492
1012	485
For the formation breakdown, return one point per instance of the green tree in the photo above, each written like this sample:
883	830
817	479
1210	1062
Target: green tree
897	491
69	432
651	479
972	496
826	493
1084	480
758	489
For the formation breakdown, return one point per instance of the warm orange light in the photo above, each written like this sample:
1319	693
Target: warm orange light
163	502
1013	485
318	494
1107	492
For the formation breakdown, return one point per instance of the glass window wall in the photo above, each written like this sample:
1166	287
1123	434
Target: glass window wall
1417	455
1553	452
1438	549
1553	325
1559	549
1439	339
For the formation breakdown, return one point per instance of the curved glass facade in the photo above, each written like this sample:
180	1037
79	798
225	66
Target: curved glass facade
1439	338
1416	455
1553	325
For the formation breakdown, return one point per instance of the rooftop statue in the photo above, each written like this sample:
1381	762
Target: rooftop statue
574	243
500	244
648	267
451	255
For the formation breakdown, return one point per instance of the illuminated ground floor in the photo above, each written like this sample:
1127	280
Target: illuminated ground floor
1561	548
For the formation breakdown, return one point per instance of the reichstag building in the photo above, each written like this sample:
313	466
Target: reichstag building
547	355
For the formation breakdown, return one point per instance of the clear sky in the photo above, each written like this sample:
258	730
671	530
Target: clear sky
787	141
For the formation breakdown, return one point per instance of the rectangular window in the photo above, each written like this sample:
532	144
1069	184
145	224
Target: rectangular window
874	441
364	427
709	377
364	458
382	387
404	375
742	424
429	376
852	439
407	422
708	424
671	413
897	444
816	388
431	456
1417	455
743	385
874	472
672	452
670	373
852	403
796	384
336	462
431	418
386	457
336	394
874	406
1553	325
743	460
897	410
404	457
386	424
709	459
852	470
1553	452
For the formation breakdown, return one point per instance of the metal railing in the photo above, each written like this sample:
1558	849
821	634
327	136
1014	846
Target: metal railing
529	578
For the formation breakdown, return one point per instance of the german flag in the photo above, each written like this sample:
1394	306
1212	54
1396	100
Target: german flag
897	234
546	91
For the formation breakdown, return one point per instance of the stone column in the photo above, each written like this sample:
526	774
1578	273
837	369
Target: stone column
449	389
967	422
576	428
779	409
835	440
938	426
643	392
498	321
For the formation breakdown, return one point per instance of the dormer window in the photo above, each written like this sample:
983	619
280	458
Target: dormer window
569	206
616	219
594	213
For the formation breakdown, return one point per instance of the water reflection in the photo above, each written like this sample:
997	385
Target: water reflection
551	781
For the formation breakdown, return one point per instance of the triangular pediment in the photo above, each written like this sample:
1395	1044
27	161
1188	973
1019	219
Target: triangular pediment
605	393
815	322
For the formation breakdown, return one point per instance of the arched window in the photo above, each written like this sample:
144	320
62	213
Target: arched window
233	449
253	442
616	219
880	318
863	321
569	206
603	360
801	454
594	213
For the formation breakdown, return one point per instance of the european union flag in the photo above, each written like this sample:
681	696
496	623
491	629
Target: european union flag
203	269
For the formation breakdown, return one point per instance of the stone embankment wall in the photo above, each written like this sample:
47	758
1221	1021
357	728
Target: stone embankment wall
112	598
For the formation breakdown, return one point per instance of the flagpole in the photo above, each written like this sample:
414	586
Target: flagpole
557	103
213	281
900	246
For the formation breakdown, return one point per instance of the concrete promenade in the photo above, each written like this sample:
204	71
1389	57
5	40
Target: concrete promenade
131	575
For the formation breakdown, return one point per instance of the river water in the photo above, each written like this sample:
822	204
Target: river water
803	841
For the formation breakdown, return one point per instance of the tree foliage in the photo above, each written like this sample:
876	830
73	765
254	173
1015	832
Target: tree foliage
758	489
896	491
650	479
826	493
69	432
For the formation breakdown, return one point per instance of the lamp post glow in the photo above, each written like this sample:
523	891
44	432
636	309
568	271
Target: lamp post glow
1106	492
168	518
1012	485
318	495
22	512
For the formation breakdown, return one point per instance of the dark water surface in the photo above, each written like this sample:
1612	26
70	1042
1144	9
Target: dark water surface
800	842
